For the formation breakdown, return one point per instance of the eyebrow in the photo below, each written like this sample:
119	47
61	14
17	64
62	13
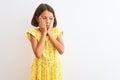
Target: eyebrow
46	16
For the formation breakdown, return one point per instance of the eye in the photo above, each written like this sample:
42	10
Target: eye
51	18
44	18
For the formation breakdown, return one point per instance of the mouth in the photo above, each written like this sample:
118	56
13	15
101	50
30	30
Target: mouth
47	26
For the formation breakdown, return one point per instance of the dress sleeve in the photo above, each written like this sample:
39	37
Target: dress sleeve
60	31
31	32
57	31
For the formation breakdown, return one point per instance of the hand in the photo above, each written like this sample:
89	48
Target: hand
49	30
42	26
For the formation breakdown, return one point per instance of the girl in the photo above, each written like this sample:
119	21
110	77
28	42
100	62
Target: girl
47	44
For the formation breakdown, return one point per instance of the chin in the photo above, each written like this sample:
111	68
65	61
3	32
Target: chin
47	28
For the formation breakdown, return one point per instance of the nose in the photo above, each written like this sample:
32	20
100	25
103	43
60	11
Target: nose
47	20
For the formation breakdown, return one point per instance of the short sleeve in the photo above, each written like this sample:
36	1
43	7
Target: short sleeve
57	31
60	31
31	32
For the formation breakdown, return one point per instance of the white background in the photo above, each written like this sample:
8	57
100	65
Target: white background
91	37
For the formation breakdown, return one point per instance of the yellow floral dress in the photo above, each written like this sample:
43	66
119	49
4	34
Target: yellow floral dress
48	67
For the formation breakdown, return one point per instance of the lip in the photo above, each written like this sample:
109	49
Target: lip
47	26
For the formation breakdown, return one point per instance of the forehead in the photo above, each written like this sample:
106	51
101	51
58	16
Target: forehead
47	13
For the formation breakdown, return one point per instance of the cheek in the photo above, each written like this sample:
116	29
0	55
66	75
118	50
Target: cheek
38	20
52	22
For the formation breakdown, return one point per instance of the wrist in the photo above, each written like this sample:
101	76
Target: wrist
44	34
49	33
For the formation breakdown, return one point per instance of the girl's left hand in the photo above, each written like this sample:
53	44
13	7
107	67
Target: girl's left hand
49	30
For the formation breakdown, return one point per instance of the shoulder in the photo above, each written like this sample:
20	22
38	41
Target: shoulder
56	29
32	31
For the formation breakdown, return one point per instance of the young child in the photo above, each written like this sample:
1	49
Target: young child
47	44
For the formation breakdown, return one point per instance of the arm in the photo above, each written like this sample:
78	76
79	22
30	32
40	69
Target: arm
38	46
57	43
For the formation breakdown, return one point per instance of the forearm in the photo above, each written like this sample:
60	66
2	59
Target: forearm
56	44
40	46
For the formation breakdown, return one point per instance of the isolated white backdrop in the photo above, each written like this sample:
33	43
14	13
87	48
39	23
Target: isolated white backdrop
91	37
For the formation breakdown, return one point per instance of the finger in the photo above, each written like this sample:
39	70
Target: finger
42	22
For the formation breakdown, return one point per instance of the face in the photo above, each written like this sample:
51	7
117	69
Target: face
48	18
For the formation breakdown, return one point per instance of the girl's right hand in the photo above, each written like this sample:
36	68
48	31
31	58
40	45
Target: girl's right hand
42	26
